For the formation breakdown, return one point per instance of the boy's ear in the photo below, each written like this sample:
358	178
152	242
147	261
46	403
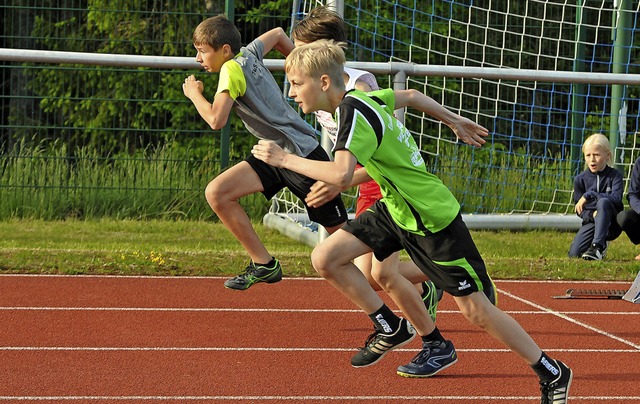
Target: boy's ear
325	82
226	50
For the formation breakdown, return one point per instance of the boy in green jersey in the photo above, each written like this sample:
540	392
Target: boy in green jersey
417	213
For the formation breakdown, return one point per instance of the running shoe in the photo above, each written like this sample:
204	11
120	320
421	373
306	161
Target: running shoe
254	274
430	298
557	390
378	344
595	253
434	357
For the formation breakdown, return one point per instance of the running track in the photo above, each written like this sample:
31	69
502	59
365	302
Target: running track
188	339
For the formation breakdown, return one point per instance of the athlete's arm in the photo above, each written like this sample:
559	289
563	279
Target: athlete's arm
338	172
216	114
276	39
464	128
322	192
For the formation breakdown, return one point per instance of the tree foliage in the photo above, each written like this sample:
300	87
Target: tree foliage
118	109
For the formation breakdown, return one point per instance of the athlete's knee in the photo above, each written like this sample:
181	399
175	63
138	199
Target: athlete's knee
217	195
321	261
381	278
212	193
474	308
364	265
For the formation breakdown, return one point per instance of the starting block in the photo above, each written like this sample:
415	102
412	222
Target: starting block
632	295
592	294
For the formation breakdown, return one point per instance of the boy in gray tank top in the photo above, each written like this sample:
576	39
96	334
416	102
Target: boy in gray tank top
247	86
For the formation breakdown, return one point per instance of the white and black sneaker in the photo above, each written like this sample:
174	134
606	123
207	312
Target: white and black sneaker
556	391
595	253
378	344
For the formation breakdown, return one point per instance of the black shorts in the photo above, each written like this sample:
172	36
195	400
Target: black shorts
332	213
449	257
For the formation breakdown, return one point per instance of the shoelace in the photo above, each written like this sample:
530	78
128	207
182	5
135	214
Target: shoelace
369	339
549	392
425	354
422	356
247	271
544	389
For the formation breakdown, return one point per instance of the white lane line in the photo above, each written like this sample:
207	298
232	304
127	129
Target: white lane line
571	320
309	398
294	279
282	349
289	310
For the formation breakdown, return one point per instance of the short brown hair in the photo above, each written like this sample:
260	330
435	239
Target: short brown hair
216	32
320	23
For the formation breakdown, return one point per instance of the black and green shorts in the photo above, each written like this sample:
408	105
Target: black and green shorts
449	257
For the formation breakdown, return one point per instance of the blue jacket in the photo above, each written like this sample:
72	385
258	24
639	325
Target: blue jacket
607	183
633	195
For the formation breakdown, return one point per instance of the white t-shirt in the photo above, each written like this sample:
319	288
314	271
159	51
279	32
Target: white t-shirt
325	119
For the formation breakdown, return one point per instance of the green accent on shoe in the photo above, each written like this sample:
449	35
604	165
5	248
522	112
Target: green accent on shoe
255	274
430	298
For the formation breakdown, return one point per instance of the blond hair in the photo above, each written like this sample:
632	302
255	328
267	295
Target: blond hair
601	141
318	58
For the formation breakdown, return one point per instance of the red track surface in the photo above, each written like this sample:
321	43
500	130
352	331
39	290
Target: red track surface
153	339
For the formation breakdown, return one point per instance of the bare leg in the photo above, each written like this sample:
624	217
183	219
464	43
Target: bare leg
479	311
222	195
404	294
368	263
332	260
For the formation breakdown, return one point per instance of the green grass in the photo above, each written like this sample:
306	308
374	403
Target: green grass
128	247
52	182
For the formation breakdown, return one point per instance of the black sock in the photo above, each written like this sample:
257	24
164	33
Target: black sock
435	336
546	368
384	320
268	264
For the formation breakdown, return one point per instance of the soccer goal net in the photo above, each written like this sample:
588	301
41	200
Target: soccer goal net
578	65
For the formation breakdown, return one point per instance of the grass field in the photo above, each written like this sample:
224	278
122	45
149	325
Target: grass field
118	247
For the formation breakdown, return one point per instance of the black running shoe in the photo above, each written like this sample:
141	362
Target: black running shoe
378	344
255	274
433	358
595	253
557	390
430	298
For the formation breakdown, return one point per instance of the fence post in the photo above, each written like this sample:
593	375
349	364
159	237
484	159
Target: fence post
225	134
400	83
621	52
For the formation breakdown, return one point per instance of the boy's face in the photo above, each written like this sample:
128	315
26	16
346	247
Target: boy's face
305	90
595	158
212	60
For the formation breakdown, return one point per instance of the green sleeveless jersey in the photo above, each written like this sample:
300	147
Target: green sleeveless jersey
417	200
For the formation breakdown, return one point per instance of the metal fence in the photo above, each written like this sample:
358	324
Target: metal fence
83	139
